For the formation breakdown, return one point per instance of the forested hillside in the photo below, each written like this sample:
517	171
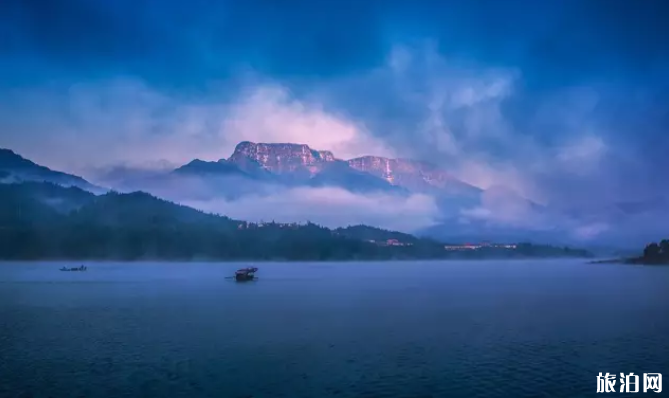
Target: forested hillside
47	221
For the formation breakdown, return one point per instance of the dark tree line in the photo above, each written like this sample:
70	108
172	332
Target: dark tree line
46	221
656	253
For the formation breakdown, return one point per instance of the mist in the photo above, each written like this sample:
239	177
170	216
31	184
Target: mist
557	140
331	207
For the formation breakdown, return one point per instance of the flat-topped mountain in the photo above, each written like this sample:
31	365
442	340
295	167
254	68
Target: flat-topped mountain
263	169
259	168
299	160
279	158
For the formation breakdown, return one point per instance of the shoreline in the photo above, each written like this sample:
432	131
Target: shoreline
629	261
608	261
244	261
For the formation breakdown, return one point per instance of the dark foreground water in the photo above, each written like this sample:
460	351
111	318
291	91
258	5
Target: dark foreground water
449	329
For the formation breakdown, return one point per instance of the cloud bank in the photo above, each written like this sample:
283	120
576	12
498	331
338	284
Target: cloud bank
331	207
579	148
125	122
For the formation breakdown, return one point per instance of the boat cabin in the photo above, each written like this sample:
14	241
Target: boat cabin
245	274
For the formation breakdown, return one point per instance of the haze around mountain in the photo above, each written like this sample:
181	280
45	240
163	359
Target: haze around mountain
561	133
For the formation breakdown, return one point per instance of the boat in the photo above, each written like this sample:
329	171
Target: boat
82	268
245	274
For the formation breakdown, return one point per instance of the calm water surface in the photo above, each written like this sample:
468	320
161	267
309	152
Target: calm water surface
414	329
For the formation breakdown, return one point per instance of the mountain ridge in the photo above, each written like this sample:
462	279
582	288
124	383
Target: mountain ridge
264	169
41	221
16	168
286	158
280	158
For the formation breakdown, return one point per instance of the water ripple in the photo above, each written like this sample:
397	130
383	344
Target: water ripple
127	331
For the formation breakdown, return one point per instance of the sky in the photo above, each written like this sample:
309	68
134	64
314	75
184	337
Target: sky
564	101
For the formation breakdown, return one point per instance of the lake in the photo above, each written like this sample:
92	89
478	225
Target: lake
397	329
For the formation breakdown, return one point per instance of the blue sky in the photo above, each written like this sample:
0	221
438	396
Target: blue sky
565	101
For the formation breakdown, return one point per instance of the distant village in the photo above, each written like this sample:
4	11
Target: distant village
385	242
460	247
390	242
253	225
477	246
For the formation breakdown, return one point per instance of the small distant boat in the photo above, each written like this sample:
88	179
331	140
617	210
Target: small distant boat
82	268
245	274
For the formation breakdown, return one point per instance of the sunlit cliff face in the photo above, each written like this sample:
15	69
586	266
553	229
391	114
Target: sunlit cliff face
573	119
280	158
413	175
283	158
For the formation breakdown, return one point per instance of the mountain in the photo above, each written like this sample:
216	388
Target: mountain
280	159
253	165
264	169
140	226
339	174
413	175
48	221
15	168
201	167
203	181
298	163
38	194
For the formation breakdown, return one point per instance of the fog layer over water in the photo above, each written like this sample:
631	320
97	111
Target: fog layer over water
404	329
